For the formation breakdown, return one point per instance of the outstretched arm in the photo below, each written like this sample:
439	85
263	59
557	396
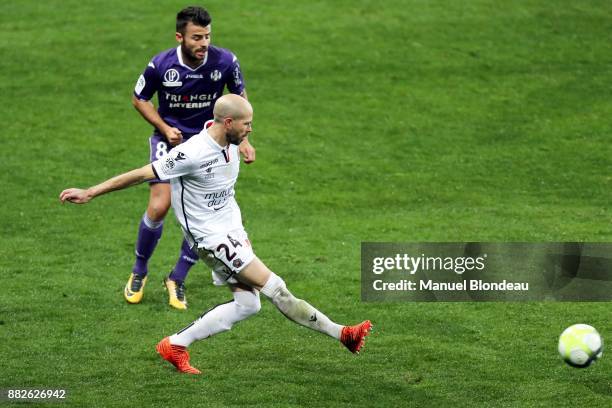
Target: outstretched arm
136	176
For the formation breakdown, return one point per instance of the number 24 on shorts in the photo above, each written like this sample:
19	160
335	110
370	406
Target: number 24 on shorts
231	248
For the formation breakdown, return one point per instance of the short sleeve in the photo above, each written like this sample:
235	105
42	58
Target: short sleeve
235	82
148	83
176	163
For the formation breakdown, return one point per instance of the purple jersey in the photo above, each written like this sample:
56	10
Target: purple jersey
186	96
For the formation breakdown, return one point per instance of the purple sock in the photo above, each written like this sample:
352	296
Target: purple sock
187	259
145	245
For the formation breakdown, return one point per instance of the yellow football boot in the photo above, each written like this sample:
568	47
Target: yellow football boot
176	293
134	288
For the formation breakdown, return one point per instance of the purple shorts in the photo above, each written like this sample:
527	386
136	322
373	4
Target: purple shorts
159	147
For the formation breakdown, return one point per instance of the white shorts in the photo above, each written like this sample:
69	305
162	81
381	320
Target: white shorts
227	256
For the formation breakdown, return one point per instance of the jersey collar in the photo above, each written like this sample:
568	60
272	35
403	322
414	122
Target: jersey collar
213	143
179	55
216	146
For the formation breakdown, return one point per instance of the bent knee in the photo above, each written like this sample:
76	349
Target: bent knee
159	201
248	306
157	210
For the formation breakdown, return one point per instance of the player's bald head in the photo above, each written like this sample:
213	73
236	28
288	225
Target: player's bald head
231	106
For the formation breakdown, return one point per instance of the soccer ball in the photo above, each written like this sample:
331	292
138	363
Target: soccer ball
580	345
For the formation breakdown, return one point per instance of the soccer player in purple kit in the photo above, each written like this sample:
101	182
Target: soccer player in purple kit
188	80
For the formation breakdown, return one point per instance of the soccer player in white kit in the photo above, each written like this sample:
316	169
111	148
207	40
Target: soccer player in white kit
202	173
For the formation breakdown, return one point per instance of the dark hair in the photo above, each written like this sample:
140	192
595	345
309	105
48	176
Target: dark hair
194	14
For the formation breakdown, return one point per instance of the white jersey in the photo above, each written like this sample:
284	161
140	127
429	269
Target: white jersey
202	176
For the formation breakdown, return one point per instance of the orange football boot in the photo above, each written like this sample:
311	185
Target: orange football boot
176	355
353	337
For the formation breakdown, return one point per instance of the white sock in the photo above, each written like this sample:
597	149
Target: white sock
298	310
219	319
150	223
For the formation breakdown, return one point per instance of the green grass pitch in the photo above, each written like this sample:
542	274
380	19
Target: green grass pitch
410	120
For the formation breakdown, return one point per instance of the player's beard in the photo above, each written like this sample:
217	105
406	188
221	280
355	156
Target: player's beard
190	54
233	137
